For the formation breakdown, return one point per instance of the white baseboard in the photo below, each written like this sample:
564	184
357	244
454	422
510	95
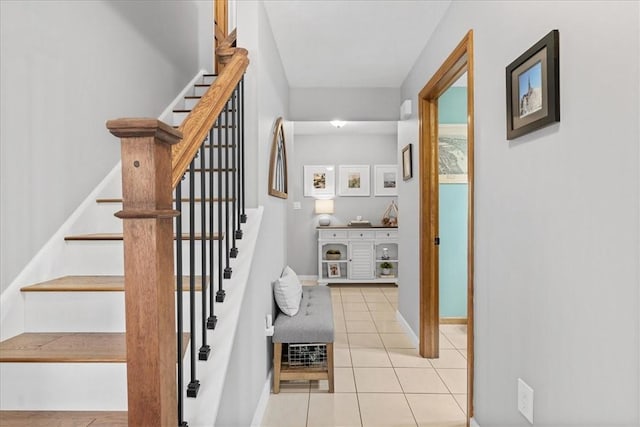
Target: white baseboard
262	403
308	278
474	423
407	329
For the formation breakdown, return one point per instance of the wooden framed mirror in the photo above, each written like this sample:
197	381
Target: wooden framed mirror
278	163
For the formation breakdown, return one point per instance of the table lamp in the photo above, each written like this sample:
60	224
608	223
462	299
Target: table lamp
324	208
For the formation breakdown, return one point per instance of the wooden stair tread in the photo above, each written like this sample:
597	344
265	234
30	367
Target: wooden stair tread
63	418
184	200
68	347
93	284
118	236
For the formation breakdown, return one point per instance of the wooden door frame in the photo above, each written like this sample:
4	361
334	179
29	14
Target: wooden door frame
459	61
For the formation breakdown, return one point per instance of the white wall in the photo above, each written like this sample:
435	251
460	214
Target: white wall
344	103
332	150
67	67
266	99
557	241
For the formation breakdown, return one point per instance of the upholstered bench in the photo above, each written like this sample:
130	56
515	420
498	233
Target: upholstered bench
312	324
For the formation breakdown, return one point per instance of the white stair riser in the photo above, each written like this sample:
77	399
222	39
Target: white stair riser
200	90
63	386
88	311
190	103
107	258
207	80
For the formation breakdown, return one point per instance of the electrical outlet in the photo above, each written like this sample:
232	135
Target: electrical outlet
297	205
525	400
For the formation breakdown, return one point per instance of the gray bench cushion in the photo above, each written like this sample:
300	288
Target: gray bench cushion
312	323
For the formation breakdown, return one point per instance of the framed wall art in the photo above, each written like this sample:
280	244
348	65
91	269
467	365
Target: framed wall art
452	154
407	162
354	180
386	179
278	163
319	180
333	270
533	87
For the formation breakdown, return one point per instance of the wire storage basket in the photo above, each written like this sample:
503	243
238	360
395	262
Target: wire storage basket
307	355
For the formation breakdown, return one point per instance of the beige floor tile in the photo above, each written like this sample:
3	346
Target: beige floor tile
365	340
361	326
436	410
390	291
385	410
462	401
376	380
383	315
343	382
445	343
455	379
355	306
459	341
463	353
339	326
407	358
341	341
449	359
389	327
453	329
286	410
375	297
294	386
341	357
357	315
396	341
380	306
333	410
420	380
370	290
350	290
370	357
352	297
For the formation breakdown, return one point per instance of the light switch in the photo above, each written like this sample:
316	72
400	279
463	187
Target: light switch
297	206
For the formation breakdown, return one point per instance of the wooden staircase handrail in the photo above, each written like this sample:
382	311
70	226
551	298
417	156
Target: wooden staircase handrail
202	118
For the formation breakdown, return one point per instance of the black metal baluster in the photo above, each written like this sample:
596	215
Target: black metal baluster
238	172
179	310
220	294
227	268
194	384
212	320
205	350
234	249
243	217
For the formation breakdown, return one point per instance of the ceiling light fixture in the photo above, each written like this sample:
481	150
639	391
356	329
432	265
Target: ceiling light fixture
338	123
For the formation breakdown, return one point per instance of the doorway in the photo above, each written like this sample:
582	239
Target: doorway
459	63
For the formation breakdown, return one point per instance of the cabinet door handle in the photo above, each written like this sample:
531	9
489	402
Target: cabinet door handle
360	234
334	234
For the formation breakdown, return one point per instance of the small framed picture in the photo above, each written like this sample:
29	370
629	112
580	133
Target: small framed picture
533	87
319	180
333	269
407	162
386	177
354	180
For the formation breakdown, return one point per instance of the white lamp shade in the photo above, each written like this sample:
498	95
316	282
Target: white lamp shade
324	206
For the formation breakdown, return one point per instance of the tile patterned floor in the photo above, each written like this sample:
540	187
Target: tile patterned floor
380	380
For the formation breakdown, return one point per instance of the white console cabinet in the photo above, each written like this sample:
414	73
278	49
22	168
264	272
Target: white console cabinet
357	255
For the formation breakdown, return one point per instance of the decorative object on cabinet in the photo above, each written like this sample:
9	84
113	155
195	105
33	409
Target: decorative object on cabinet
354	180
407	162
333	255
278	163
319	181
386	268
333	269
452	154
390	216
324	207
386	178
533	87
364	249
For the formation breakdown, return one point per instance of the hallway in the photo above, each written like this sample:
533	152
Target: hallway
379	378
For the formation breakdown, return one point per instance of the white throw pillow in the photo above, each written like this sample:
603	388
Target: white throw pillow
288	292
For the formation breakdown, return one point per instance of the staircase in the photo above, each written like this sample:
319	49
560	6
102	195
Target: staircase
71	366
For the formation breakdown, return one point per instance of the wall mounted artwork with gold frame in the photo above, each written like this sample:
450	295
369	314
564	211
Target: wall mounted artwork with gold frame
278	164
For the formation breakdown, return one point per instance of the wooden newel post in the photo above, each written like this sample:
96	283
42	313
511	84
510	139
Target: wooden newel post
149	275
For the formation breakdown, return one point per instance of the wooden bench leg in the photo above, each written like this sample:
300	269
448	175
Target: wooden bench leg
277	362
330	365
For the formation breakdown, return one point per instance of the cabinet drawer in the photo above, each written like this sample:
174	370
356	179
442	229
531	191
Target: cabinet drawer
361	234
333	234
387	234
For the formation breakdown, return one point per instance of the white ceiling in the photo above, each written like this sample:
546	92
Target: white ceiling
349	128
351	43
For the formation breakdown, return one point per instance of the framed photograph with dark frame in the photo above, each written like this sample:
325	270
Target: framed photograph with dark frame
533	87
407	162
